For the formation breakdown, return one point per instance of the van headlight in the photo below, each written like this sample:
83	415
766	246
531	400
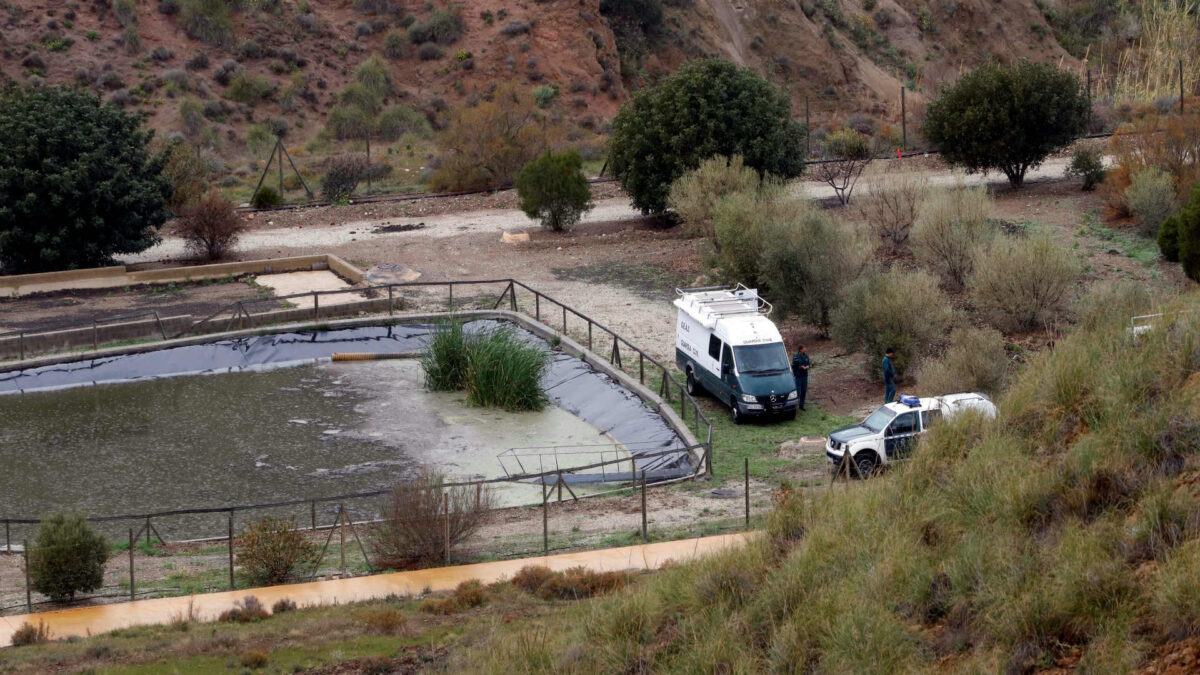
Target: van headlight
792	396
747	398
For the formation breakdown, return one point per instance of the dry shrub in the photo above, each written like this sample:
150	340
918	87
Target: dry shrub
890	204
1020	284
1176	594
342	177
975	361
1113	303
574	584
847	155
469	594
486	145
283	605
952	224
413	531
210	227
531	577
182	620
903	310
389	621
1151	198
273	551
253	658
733	252
244	611
695	194
1170	143
29	634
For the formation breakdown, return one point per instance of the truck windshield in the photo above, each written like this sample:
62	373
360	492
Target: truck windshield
761	359
879	419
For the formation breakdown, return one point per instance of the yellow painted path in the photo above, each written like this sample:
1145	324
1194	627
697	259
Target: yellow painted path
98	619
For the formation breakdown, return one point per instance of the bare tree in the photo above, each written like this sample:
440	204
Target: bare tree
890	205
418	515
849	154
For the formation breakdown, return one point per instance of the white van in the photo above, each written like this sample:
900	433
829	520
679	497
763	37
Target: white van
725	344
889	434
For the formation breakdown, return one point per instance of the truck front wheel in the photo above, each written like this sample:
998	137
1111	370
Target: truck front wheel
866	464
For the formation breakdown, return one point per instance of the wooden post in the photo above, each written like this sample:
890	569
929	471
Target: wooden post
232	585
316	306
391	303
545	519
132	592
564	320
21	344
280	154
807	129
148	543
747	463
446	502
512	296
312	509
644	537
903	118
589	335
641	367
537	306
28	590
7	538
342	535
450	301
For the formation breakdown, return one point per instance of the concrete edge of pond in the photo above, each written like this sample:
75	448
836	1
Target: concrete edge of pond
566	344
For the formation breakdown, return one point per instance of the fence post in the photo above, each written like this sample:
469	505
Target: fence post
545	520
747	491
21	344
232	585
342	535
644	537
391	303
446	501
589	335
312	511
95	336
7	538
148	542
564	320
28	590
132	592
641	367
903	117
512	295
450	302
537	306
316	306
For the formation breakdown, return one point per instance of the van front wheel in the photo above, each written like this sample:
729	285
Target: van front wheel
693	387
738	418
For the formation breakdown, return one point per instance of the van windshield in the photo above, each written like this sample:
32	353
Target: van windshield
879	419
761	359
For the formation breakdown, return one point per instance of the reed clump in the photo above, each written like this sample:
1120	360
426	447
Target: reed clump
497	368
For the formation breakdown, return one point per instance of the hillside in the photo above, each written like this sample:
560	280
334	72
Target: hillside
848	56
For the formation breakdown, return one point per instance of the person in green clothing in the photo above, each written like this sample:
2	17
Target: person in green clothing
889	376
800	365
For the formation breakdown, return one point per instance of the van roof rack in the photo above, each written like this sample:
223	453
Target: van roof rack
709	303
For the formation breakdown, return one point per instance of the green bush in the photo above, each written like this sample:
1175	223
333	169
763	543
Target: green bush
373	75
950	227
342	178
505	372
807	261
397	120
1107	304
247	88
903	310
975	361
125	11
441	26
395	43
1021	284
694	195
1088	164
272	551
266	197
706	108
207	20
733	254
1177	591
188	173
108	189
67	556
1151	198
553	189
1180	235
544	95
445	358
429	52
1008	118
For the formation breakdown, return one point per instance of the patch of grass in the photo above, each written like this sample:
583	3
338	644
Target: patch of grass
653	282
1142	249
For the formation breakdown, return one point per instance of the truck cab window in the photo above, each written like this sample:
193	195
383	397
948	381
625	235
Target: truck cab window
903	424
930	417
714	347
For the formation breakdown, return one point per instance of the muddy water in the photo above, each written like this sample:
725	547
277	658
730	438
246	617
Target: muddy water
142	441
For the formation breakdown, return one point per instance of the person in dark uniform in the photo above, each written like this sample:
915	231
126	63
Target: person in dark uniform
800	365
889	376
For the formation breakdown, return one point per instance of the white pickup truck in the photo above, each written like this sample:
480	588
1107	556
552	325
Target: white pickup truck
889	433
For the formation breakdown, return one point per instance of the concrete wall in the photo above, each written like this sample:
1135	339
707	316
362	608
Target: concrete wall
117	277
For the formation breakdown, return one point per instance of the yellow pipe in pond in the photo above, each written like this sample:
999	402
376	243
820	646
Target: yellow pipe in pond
370	357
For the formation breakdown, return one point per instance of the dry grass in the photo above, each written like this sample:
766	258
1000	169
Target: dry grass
467	595
246	610
1150	69
29	634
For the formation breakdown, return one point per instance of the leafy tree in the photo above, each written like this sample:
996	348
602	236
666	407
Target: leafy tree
67	557
1007	118
77	183
706	108
554	190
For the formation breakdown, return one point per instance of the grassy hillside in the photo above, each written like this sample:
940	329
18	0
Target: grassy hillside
1064	533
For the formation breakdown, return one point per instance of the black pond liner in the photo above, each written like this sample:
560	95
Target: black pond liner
570	383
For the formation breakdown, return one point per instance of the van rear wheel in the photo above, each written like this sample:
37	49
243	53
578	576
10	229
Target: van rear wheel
693	387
